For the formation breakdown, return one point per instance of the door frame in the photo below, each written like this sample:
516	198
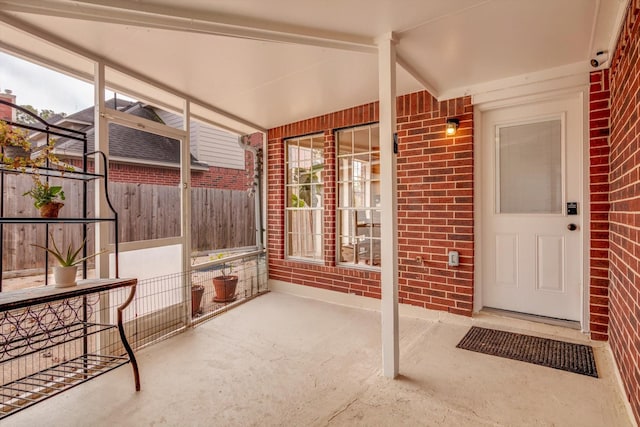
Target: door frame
502	100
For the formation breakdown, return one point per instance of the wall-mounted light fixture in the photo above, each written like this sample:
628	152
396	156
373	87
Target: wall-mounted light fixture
452	126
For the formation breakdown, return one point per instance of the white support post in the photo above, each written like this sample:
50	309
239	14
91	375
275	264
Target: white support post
101	144
185	206
389	203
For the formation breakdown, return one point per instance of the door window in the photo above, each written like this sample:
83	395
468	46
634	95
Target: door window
529	168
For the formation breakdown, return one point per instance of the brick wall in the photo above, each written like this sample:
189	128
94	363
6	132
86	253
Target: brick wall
326	276
435	203
215	177
624	292
599	203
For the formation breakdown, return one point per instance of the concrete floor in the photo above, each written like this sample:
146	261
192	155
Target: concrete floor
282	360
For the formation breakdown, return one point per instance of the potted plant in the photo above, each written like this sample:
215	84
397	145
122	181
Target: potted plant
46	198
16	148
64	274
197	292
225	284
17	153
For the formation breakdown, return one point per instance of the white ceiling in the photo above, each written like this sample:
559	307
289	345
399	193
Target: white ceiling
261	64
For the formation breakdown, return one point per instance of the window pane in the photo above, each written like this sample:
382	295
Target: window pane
345	142
361	140
305	234
292	154
304	193
374	196
530	168
359	196
142	193
375	138
375	165
345	194
344	163
292	196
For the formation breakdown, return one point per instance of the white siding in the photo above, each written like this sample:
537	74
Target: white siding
169	119
218	148
208	144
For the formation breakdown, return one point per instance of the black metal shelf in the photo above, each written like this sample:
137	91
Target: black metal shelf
51	172
37	319
32	389
46	339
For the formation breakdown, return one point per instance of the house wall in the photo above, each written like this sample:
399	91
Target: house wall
214	177
216	147
435	205
624	217
208	144
6	112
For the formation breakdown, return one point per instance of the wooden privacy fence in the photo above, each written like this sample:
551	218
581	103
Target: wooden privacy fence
219	218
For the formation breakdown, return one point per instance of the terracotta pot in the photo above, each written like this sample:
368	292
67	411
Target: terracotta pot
225	288
196	299
50	210
65	277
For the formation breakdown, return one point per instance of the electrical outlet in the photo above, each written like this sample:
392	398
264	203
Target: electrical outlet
454	259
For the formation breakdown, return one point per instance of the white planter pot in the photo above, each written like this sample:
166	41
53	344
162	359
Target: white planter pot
65	277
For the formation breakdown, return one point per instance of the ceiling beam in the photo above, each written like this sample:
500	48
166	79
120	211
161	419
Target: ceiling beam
578	71
202	22
416	75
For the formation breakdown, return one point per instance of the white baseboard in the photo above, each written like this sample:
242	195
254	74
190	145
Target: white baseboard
366	303
487	320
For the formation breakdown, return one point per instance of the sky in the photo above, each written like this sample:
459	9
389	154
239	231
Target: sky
43	88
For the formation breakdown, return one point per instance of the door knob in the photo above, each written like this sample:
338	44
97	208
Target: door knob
572	227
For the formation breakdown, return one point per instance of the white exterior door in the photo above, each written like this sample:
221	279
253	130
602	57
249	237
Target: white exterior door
531	219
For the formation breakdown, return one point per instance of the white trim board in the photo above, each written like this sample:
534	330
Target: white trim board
410	311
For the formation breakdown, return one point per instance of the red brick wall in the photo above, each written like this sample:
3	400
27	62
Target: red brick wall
624	292
326	276
435	203
215	177
599	111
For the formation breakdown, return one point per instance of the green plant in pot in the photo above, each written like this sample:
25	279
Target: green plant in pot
17	152
65	273
16	148
46	198
225	284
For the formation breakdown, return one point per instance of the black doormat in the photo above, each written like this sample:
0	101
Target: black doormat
570	357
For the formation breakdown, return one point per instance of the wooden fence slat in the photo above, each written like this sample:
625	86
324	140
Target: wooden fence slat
220	218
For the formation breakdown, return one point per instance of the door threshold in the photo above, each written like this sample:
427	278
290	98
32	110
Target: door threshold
569	324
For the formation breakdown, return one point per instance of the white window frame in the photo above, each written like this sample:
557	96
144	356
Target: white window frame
316	231
364	241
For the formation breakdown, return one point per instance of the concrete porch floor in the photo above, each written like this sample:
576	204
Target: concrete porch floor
286	360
